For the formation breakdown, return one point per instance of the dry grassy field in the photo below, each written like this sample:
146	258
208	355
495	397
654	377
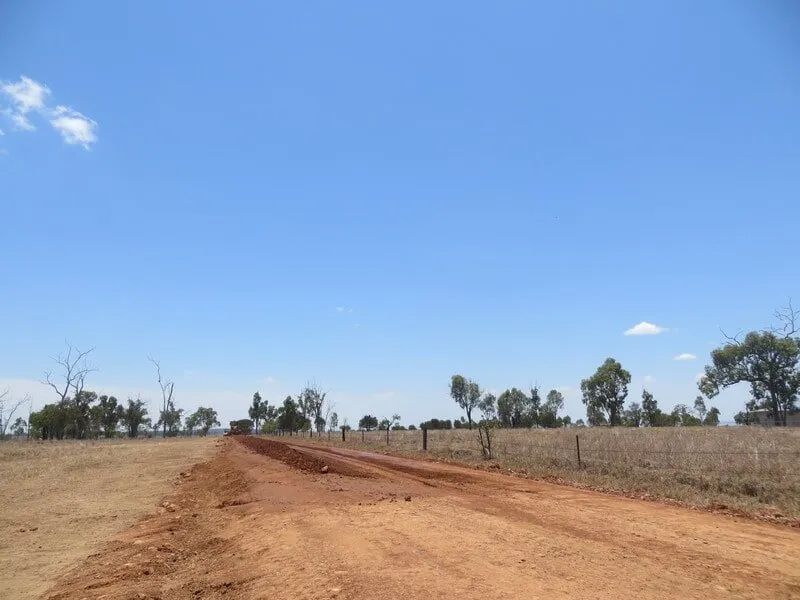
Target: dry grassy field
62	499
750	469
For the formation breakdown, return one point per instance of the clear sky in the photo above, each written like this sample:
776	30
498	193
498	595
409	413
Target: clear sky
375	196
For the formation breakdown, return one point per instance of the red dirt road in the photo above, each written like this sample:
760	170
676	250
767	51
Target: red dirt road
247	525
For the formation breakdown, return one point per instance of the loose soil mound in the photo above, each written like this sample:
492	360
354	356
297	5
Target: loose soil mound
297	459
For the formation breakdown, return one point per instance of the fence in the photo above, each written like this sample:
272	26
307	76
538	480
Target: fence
747	451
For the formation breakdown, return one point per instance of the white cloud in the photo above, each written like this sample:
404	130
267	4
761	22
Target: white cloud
685	356
25	95
649	379
343	309
74	127
645	328
28	96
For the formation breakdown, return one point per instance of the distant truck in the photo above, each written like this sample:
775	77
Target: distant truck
240	427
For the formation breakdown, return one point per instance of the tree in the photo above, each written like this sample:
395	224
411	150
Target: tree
548	414
258	410
170	420
134	416
107	415
167	405
633	416
700	407
74	370
6	414
650	410
487	424
311	400
368	422
190	423
712	417
388	423
204	418
333	422
535	407
683	417
606	390
289	417
19	427
466	394
767	360
512	405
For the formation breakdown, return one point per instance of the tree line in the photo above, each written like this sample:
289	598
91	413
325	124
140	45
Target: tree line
80	413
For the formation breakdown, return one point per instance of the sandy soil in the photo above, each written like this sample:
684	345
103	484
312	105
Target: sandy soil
60	500
247	525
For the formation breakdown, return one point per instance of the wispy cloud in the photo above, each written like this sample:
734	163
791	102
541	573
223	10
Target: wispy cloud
343	309
685	356
28	96
649	379
74	127
645	328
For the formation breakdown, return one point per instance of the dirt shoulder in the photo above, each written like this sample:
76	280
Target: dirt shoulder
251	524
63	499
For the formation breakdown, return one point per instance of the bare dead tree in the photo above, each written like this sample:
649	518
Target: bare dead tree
5	419
74	369
788	318
167	389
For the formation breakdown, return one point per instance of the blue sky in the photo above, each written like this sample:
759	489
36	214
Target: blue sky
375	197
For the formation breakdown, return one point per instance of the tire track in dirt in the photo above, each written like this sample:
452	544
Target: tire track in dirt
261	521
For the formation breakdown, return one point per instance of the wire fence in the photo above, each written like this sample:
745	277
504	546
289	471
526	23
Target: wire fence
740	451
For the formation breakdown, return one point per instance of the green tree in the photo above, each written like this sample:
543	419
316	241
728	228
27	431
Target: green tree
204	418
333	422
107	415
700	408
650	410
134	416
683	417
534	412
388	423
18	427
368	422
311	401
633	415
487	425
170	420
605	391
712	417
466	394
766	360
190	423
548	414
512	405
258	410
289	417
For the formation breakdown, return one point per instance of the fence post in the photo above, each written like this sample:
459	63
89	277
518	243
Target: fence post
425	438
329	434
387	435
343	438
362	436
578	448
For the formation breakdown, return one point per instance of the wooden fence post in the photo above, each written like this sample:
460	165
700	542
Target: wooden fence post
578	448
387	435
425	438
362	436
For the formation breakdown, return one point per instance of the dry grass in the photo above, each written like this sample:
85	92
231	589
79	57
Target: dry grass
750	469
60	499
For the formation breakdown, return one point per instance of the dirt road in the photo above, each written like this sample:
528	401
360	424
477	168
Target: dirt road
261	521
